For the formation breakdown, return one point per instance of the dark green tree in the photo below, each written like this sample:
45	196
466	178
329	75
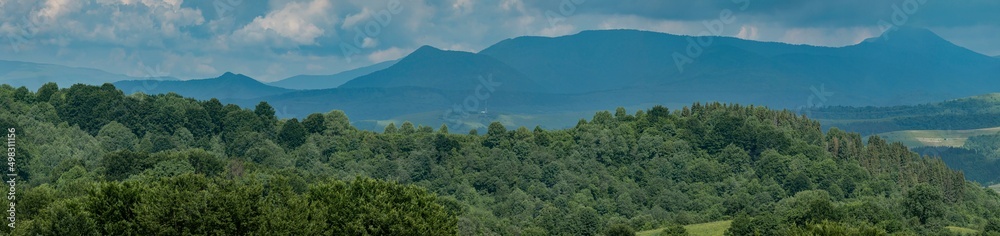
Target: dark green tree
674	230
315	123
46	91
925	202
266	113
292	134
620	230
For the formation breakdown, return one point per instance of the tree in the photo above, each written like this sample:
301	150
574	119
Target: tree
407	128
215	111
495	134
337	122
584	221
64	217
992	226
199	122
925	202
443	129
373	207
620	230
315	123
674	230
242	120
292	134
122	164
266	113
389	129
114	137
45	92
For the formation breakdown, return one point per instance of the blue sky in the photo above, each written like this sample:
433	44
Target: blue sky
274	39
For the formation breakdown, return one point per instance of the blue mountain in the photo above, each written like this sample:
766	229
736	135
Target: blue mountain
429	67
34	75
227	86
906	66
304	82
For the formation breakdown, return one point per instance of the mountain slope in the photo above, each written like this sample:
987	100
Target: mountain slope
303	82
227	86
429	67
34	75
914	66
601	70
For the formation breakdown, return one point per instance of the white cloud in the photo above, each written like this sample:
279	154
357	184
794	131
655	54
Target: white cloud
748	32
301	23
392	53
463	7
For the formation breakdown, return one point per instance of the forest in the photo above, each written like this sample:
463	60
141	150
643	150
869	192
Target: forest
92	160
978	158
959	114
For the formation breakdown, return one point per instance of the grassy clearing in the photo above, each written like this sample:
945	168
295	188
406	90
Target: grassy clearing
961	230
947	138
704	229
996	187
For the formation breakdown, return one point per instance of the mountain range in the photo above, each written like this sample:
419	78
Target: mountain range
549	81
33	75
225	87
304	82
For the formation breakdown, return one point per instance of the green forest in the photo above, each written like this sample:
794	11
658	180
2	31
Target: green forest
959	114
92	160
978	158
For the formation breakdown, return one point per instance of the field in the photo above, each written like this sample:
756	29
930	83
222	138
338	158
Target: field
961	230
946	138
996	187
719	227
704	229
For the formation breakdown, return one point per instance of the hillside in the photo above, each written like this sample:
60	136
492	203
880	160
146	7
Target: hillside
226	86
304	82
110	163
600	70
429	67
978	112
936	138
911	63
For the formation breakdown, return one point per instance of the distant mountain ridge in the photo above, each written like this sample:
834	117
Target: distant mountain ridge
429	67
33	75
304	82
603	69
226	86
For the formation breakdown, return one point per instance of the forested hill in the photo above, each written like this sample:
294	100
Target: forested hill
94	161
959	114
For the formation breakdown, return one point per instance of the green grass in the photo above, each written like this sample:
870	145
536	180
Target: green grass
704	229
961	230
946	138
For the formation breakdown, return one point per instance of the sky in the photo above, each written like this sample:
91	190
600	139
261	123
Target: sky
274	39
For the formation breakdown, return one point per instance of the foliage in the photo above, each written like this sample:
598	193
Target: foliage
99	162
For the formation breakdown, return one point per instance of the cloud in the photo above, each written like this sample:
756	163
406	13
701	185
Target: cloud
299	23
274	39
387	55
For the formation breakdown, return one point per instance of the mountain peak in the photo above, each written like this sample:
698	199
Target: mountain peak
427	49
429	53
233	76
909	36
